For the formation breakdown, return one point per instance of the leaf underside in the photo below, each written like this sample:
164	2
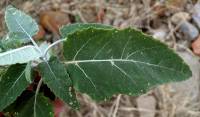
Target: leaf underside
57	79
19	55
12	84
104	62
20	24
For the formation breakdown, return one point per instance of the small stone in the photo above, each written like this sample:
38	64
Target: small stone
160	33
196	46
190	32
196	15
147	103
159	9
181	16
28	6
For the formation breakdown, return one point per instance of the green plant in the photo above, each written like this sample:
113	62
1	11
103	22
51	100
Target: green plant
98	60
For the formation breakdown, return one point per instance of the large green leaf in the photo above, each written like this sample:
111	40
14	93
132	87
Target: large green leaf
20	24
12	84
56	77
104	62
71	28
20	55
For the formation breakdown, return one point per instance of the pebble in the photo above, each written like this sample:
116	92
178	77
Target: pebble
196	15
147	103
180	16
196	46
190	32
159	9
160	33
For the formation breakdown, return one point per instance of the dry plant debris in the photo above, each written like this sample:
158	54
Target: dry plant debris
175	22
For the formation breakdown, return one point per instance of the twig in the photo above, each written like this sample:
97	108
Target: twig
117	105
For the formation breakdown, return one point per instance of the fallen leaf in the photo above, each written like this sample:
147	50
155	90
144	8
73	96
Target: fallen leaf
100	15
196	46
53	20
59	107
1	114
176	4
40	34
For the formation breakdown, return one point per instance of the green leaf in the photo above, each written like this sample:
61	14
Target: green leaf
43	108
104	62
24	106
28	72
19	22
12	84
56	77
19	55
71	28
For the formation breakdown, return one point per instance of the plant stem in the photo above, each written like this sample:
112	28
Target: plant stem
53	44
36	94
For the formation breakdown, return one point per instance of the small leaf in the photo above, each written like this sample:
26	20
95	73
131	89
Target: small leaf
18	21
20	55
57	79
12	84
71	28
105	62
28	72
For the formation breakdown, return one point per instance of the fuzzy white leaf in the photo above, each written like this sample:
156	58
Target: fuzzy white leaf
20	55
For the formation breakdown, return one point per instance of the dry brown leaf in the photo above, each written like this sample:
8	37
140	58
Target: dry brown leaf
100	15
196	46
53	20
40	34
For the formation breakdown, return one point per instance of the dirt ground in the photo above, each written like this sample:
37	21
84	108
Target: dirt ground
170	21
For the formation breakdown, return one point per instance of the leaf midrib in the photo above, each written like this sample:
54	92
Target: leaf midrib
75	62
13	85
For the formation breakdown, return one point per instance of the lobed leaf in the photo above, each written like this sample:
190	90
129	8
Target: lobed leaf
12	84
57	79
105	62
